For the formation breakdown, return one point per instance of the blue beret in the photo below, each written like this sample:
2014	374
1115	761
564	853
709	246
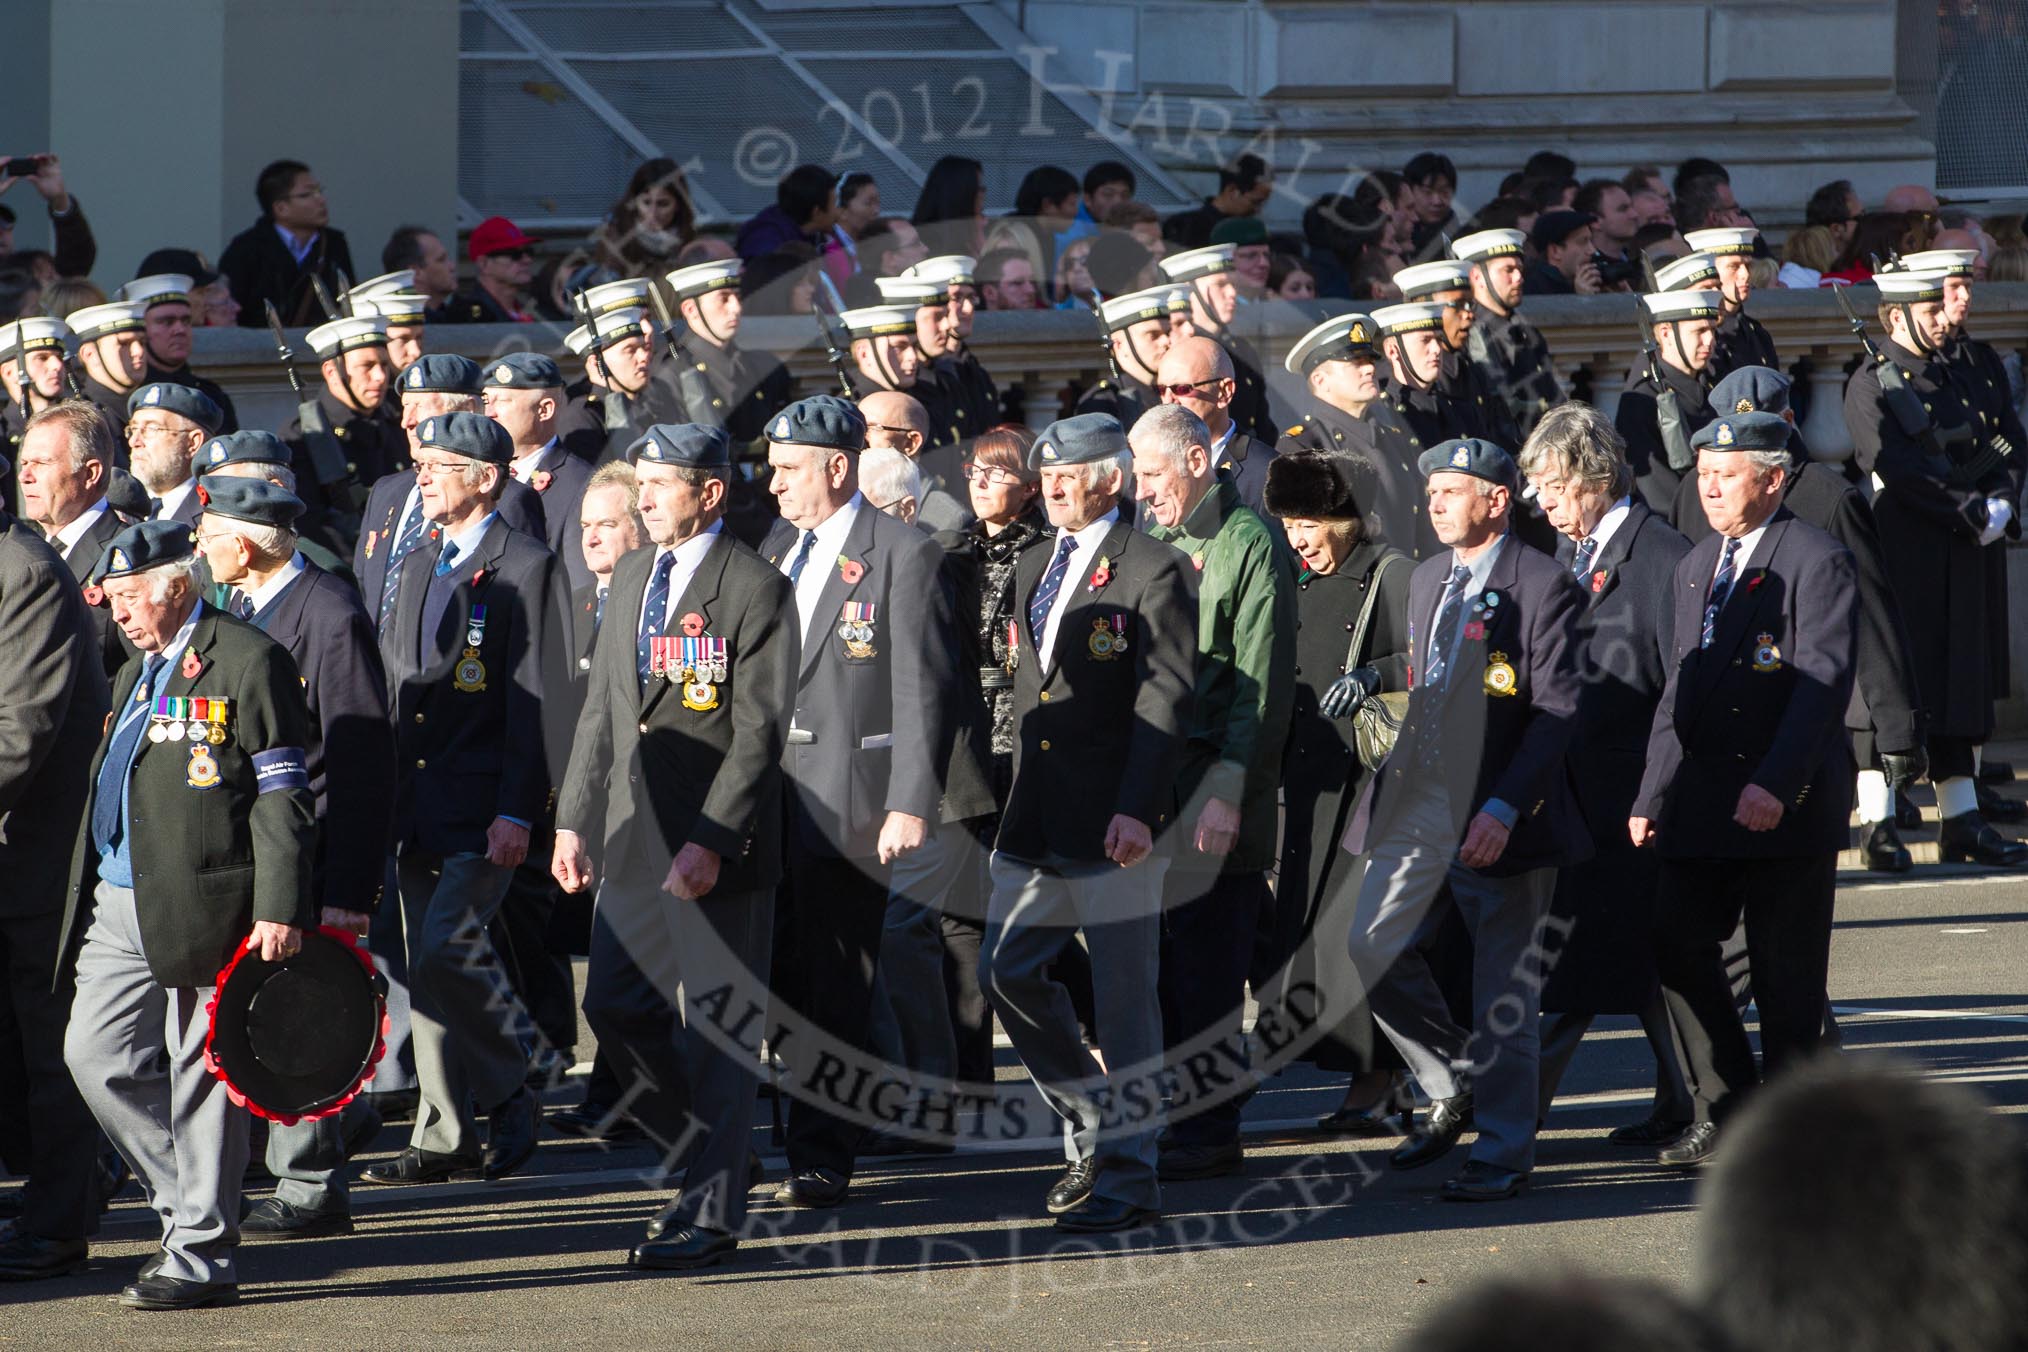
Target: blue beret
191	403
254	500
691	445
147	544
523	371
1473	456
1751	389
472	435
820	420
1743	432
1078	441
440	373
242	448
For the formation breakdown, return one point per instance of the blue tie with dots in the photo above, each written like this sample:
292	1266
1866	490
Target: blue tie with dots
1443	633
654	612
411	536
1046	590
1721	587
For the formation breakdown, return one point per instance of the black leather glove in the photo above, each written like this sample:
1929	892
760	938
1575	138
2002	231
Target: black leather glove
1344	696
1903	768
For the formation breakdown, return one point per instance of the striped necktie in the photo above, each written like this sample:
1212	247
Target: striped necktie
1441	633
1046	590
1721	587
1587	550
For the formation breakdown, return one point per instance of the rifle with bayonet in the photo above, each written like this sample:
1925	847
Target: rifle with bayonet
1905	406
1668	413
613	403
838	365
325	301
343	497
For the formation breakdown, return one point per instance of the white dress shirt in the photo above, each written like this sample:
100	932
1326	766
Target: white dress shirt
264	595
823	558
174	498
1083	559
1614	518
688	555
523	467
67	537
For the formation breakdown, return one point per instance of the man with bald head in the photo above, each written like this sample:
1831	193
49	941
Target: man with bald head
898	422
1911	197
1197	373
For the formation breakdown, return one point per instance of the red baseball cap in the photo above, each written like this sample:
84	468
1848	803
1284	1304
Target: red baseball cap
497	234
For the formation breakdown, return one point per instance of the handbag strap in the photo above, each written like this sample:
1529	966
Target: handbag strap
1352	654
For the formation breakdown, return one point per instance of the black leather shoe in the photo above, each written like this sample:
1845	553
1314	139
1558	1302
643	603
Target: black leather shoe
1479	1181
177	1293
666	1222
1446	1121
692	1246
422	1166
1070	1191
596	1122
1995	771
1103	1215
28	1258
1392	1114
510	1134
1907	815
276	1219
1180	1164
1650	1133
395	1105
813	1188
1692	1148
887	1143
152	1266
1966	838
1995	806
1881	846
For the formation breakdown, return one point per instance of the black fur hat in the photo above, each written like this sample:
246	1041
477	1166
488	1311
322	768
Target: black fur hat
1315	486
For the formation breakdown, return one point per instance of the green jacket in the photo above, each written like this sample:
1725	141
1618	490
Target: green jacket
1246	658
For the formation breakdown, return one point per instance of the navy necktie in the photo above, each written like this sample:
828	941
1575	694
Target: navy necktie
447	559
802	557
599	610
411	536
436	601
1587	550
1443	633
1046	590
108	808
654	612
1721	587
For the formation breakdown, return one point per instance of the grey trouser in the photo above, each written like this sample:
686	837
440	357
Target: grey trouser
1116	1112
308	1158
136	1050
463	1016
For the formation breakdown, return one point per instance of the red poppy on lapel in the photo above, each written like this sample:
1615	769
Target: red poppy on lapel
478	577
540	482
1753	583
1475	630
193	665
693	624
1598	581
94	596
1102	574
851	570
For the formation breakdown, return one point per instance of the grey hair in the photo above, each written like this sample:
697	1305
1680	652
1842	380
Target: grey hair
87	431
270	542
1576	441
1093	472
1765	461
162	575
888	476
1170	430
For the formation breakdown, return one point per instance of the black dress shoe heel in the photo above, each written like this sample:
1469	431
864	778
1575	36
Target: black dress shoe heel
1995	806
29	1258
1907	815
693	1246
1692	1148
1968	839
813	1188
422	1166
1881	846
276	1219
1445	1122
1106	1215
177	1293
1392	1114
1071	1190
511	1130
1650	1133
1482	1182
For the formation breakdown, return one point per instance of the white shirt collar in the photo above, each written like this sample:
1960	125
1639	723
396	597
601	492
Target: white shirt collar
264	594
691	552
1219	444
1075	577
1614	518
173	649
173	499
68	536
524	466
831	534
1747	544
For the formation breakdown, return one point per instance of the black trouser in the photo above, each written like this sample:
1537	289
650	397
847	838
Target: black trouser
1209	923
828	920
539	973
1952	757
1787	905
62	1197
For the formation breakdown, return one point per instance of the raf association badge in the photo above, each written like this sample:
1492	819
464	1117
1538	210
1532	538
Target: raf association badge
703	662
1766	656
202	772
1500	679
470	674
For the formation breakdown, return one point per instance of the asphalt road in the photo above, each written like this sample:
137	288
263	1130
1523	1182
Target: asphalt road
1318	1245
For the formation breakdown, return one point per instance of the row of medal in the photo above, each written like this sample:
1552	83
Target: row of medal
176	717
855	626
700	663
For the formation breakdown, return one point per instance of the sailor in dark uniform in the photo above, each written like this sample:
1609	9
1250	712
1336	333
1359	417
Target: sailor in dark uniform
112	347
1741	340
1349	416
1667	394
1214	303
608	409
393	300
1509	351
1136	328
353	407
165	301
973	398
32	355
1473	409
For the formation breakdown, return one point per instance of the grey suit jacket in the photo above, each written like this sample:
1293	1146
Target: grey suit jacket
649	774
870	732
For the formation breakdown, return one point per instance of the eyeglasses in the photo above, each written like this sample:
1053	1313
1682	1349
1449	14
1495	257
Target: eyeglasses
902	432
1203	389
989	474
137	429
434	467
314	190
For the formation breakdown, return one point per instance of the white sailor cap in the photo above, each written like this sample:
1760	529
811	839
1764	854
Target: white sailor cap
99	321
1728	240
1191	264
343	335
614	326
401	309
1680	274
1123	312
1433	279
874	321
1477	248
913	291
630	293
946	270
1338	339
1407	318
1179	297
160	288
33	334
699	278
387	283
1908	287
1669	306
1948	262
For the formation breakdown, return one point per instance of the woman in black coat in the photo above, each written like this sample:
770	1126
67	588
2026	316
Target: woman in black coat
1345	562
